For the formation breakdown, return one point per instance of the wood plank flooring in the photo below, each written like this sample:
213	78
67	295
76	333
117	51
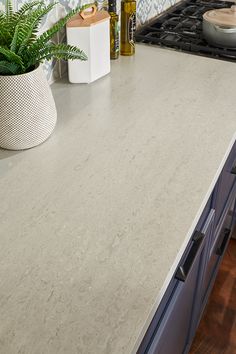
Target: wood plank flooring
217	330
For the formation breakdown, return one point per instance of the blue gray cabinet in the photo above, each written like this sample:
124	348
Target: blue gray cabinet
203	277
176	320
216	248
172	335
224	186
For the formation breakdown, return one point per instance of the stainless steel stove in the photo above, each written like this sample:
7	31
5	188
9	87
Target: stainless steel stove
180	27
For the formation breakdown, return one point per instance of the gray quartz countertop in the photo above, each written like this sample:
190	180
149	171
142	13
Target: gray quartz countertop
94	221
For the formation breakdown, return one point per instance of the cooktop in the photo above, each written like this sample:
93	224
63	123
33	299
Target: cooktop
180	27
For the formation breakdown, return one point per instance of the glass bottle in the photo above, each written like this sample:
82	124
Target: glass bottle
114	30
128	26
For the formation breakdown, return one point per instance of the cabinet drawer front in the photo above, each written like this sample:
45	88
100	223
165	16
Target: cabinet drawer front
225	184
207	230
205	277
172	333
216	253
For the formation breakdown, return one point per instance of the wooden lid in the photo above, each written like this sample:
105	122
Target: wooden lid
88	17
222	17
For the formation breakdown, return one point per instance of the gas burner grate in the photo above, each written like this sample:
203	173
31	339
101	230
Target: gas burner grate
180	28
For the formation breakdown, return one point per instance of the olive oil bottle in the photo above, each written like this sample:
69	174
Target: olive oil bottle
128	26
114	30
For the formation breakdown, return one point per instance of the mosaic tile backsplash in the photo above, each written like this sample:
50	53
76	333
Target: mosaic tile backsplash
146	10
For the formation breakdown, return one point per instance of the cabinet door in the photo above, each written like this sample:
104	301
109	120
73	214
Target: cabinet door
171	336
203	277
216	252
216	248
205	269
218	241
225	185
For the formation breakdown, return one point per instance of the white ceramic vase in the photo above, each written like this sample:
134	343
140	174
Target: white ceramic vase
27	110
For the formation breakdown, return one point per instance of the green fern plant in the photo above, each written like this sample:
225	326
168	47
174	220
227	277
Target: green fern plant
21	48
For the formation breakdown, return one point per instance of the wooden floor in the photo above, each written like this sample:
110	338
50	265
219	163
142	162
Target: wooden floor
217	330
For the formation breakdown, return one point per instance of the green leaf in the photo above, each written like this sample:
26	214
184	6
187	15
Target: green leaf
29	29
46	36
2	18
7	68
24	11
26	7
9	10
20	46
13	46
62	51
4	33
11	56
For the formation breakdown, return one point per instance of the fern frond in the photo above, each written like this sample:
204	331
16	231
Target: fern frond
20	48
3	21
9	10
3	36
2	18
4	33
61	51
13	46
7	68
30	27
25	8
46	36
28	6
12	57
24	31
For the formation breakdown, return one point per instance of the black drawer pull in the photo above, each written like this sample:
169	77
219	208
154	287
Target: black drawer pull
233	171
183	270
221	248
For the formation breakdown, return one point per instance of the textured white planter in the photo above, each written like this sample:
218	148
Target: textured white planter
27	110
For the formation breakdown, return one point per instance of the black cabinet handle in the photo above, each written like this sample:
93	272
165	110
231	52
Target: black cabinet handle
183	270
233	170
220	250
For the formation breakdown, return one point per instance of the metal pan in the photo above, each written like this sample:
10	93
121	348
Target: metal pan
219	27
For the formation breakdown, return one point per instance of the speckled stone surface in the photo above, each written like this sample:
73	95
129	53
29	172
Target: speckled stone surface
94	221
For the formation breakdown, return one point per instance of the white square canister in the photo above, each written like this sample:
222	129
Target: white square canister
90	31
